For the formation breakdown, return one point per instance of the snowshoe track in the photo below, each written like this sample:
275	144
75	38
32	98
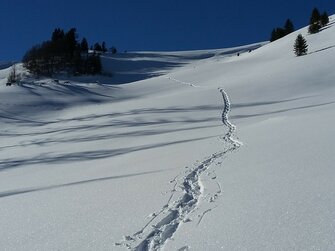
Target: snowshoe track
165	224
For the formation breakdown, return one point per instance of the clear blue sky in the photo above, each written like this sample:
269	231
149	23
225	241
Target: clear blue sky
150	24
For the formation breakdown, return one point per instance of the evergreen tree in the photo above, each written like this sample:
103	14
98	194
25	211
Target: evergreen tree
63	53
277	34
324	19
314	22
300	46
31	59
71	41
93	65
84	45
103	47
77	61
314	28
57	35
315	17
273	35
289	28
97	47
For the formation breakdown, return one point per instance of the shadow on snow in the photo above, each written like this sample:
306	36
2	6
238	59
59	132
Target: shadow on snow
30	190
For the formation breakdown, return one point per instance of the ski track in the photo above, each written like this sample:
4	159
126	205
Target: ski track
165	223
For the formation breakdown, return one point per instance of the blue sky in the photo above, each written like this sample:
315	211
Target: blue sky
150	24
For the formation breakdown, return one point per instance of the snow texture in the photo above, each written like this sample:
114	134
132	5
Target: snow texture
164	224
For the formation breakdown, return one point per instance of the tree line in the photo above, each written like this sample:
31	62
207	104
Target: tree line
279	32
316	22
63	53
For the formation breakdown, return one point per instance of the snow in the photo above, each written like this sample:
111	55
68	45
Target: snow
201	150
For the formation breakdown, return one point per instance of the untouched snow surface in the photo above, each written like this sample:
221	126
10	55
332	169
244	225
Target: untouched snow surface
202	150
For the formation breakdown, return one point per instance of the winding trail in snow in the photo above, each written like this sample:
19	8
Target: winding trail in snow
226	121
165	223
225	113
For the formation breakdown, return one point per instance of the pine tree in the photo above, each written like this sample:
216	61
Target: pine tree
273	35
278	33
324	19
57	35
103	47
63	53
300	46
289	28
71	41
93	65
84	45
315	17
97	47
314	22
314	28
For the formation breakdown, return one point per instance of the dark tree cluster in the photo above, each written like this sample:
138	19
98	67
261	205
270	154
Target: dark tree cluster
317	21
63	53
99	48
278	33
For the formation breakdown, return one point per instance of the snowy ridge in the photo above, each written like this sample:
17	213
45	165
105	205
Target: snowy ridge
165	224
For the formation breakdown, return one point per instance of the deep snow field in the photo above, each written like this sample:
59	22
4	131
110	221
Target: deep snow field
150	158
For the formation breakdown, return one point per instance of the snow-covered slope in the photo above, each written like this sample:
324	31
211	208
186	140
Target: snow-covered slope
108	163
133	66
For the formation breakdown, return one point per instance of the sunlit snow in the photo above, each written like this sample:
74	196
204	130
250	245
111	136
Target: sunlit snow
200	150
